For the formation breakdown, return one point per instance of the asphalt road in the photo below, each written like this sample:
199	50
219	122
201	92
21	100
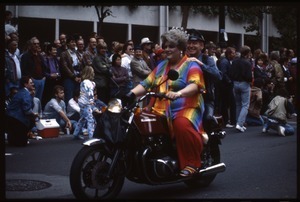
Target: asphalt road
258	166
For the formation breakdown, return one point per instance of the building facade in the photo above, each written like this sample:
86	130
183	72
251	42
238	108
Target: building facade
47	21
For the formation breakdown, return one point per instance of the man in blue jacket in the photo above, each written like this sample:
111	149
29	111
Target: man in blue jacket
212	74
19	115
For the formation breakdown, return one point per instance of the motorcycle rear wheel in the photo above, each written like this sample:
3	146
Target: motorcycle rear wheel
88	175
212	158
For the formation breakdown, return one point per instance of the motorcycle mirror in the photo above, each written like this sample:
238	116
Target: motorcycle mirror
173	74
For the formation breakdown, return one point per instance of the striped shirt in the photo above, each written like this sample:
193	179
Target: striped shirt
191	107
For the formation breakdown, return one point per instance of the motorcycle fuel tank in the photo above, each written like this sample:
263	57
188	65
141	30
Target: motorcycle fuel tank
150	123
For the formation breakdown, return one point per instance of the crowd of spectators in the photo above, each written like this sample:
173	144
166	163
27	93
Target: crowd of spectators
122	65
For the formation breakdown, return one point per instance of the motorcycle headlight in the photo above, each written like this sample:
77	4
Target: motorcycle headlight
114	105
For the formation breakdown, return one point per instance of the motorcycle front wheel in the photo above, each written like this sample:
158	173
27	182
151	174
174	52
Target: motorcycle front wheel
88	174
210	156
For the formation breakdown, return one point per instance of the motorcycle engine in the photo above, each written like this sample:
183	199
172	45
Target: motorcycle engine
165	167
162	159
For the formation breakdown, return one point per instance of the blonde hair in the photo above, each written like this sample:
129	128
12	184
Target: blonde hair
87	73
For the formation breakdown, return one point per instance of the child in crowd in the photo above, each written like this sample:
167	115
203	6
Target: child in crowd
86	104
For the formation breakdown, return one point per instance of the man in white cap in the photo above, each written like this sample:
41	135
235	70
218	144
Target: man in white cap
147	52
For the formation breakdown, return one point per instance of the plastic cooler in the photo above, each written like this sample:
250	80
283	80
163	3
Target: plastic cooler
48	128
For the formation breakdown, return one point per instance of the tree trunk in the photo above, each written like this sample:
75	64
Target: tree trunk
185	15
101	17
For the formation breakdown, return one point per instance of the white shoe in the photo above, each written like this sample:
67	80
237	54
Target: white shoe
244	128
264	130
239	128
281	130
229	125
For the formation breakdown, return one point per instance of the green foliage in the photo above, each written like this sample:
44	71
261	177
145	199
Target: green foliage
285	19
132	8
211	11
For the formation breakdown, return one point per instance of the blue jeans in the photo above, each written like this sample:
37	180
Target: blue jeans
254	121
129	85
69	87
62	123
274	124
241	92
209	110
39	87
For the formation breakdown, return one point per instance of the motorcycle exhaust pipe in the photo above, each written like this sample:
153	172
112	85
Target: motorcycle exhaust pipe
218	168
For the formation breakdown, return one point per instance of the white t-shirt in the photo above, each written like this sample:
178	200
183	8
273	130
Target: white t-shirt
125	62
72	107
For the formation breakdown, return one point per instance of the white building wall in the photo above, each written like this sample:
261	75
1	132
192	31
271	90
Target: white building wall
144	15
61	12
202	22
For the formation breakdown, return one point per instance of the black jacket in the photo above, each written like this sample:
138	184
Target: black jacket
241	70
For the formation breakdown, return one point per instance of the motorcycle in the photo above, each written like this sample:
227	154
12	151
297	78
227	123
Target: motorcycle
132	143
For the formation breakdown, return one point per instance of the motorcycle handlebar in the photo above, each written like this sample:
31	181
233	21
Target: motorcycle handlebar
156	95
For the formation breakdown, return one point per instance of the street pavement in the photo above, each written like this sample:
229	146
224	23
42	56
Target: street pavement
47	162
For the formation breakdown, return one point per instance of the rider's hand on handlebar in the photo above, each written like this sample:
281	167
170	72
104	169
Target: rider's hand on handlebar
174	95
128	99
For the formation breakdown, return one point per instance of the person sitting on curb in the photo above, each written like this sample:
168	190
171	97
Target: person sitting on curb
56	109
37	108
73	109
278	110
19	115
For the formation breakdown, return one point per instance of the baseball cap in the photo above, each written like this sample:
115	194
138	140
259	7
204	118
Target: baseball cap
138	47
145	40
159	51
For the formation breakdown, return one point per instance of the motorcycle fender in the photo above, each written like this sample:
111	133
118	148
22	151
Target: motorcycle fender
94	141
